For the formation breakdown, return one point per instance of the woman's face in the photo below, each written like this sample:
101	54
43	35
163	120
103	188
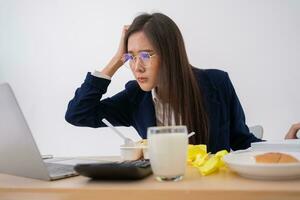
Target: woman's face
146	64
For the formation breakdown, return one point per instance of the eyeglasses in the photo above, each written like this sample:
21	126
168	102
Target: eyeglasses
144	58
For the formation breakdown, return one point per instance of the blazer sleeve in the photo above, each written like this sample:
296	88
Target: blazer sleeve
240	136
87	109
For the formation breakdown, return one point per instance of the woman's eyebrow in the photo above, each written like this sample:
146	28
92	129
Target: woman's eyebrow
142	50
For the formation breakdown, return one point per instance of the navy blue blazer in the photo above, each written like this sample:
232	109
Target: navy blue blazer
134	107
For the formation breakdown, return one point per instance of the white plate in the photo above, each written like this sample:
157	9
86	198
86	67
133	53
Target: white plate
243	162
288	145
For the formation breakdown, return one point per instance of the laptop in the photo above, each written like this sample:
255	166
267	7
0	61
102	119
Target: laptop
19	154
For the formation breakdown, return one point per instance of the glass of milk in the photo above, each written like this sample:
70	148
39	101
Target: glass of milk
167	148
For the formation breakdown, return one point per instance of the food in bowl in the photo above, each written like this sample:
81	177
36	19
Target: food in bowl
145	152
143	144
275	157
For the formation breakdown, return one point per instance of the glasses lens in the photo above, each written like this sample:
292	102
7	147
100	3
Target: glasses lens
128	56
142	59
145	56
127	59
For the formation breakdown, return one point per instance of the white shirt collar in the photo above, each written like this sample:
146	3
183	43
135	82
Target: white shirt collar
154	95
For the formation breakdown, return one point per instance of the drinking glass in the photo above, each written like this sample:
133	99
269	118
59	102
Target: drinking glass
167	147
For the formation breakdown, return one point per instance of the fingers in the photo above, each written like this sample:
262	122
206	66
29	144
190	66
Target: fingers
296	126
125	29
292	133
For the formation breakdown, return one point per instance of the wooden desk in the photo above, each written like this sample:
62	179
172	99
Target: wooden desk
222	185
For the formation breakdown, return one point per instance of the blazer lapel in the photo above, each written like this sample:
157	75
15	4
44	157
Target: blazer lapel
146	115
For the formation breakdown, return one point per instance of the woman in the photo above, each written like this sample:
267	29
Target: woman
167	90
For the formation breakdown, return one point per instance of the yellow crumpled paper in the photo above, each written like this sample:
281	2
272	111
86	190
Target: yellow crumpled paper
206	164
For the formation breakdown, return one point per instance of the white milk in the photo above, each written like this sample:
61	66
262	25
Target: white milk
167	152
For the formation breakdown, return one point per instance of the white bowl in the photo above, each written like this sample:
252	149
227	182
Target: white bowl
131	152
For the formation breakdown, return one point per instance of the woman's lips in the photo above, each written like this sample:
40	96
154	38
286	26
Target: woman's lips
142	79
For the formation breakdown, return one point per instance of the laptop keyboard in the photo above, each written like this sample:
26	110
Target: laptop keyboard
59	169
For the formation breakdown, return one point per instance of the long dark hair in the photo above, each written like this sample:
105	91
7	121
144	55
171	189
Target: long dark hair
177	83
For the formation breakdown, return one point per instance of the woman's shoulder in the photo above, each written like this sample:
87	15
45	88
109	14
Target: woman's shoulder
133	91
132	85
214	77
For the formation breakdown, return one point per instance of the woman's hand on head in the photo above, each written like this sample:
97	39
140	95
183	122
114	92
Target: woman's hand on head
122	49
292	133
118	59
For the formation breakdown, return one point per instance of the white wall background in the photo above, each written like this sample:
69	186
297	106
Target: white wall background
47	47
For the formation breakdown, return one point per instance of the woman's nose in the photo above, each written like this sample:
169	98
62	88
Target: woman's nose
137	65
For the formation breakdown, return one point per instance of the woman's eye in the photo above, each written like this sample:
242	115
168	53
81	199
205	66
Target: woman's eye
128	57
144	55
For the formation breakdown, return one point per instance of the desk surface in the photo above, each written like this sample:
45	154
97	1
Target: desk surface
222	185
